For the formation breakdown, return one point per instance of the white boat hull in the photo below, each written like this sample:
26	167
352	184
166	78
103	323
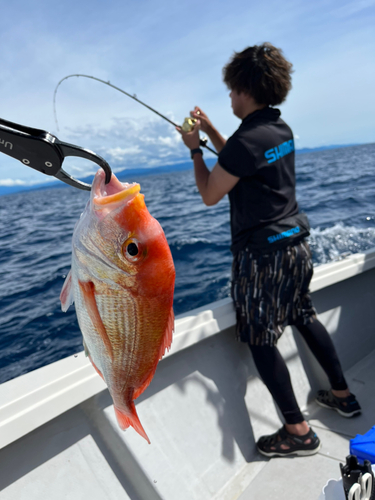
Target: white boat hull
203	410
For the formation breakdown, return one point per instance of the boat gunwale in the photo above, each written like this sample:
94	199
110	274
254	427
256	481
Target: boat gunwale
33	399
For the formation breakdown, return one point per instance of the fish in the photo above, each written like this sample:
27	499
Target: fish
121	281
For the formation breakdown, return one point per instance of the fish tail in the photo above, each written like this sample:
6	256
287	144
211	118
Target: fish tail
131	418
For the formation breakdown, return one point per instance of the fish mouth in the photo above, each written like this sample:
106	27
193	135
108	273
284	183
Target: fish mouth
113	192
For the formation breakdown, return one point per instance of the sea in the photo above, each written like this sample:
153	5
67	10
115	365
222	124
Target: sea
335	187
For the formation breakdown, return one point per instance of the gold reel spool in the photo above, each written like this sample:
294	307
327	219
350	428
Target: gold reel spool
189	124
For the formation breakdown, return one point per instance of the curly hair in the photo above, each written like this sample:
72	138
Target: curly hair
260	71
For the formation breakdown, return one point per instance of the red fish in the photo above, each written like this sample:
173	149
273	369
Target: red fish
122	282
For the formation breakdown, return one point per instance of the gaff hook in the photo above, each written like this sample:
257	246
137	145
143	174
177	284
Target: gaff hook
44	152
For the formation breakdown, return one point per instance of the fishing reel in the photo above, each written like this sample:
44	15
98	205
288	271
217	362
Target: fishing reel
189	124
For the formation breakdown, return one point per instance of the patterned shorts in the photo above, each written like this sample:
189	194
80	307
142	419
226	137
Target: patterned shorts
270	291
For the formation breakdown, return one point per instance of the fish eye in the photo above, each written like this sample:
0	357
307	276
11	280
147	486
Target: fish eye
132	250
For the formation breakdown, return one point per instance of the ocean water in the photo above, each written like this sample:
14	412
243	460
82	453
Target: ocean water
334	187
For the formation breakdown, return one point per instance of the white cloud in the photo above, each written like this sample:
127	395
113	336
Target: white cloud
12	182
118	154
128	143
22	182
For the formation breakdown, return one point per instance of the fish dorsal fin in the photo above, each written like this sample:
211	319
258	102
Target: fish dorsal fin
165	345
66	295
88	292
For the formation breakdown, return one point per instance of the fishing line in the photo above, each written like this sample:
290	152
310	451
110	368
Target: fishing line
203	142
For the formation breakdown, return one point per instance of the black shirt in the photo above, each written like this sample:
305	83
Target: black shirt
261	153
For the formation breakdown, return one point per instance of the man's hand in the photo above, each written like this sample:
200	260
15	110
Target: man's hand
191	139
205	123
206	126
211	185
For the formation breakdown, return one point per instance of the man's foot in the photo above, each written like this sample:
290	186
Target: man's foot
283	444
347	407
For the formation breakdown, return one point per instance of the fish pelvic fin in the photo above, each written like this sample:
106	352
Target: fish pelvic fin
130	419
88	291
66	295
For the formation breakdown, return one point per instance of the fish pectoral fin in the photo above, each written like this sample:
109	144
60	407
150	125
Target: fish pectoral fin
66	295
88	292
130	418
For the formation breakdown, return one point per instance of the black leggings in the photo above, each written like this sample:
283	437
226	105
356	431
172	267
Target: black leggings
275	374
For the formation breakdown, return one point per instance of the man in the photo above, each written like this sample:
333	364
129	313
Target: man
272	265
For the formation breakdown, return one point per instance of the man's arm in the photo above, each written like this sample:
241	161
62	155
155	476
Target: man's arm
214	185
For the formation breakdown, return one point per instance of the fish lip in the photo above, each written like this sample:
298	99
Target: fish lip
113	192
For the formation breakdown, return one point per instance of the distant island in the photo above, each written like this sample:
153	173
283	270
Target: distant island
127	174
123	175
323	148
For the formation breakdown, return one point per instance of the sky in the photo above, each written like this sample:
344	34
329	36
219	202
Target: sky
171	54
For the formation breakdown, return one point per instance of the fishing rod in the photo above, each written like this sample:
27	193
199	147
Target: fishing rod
203	142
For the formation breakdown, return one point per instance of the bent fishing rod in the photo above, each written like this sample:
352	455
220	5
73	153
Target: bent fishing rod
44	152
189	122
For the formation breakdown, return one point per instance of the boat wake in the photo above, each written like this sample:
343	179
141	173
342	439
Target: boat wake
334	243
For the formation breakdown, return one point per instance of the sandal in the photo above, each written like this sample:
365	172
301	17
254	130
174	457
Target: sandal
346	407
272	445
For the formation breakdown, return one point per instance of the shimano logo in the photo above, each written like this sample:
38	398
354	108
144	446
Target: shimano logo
279	151
6	144
284	234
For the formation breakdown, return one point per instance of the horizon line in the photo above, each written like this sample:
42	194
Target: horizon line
173	167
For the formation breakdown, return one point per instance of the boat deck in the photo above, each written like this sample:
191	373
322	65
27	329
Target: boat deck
68	461
304	477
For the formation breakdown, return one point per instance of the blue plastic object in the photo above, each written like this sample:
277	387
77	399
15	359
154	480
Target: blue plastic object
364	446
